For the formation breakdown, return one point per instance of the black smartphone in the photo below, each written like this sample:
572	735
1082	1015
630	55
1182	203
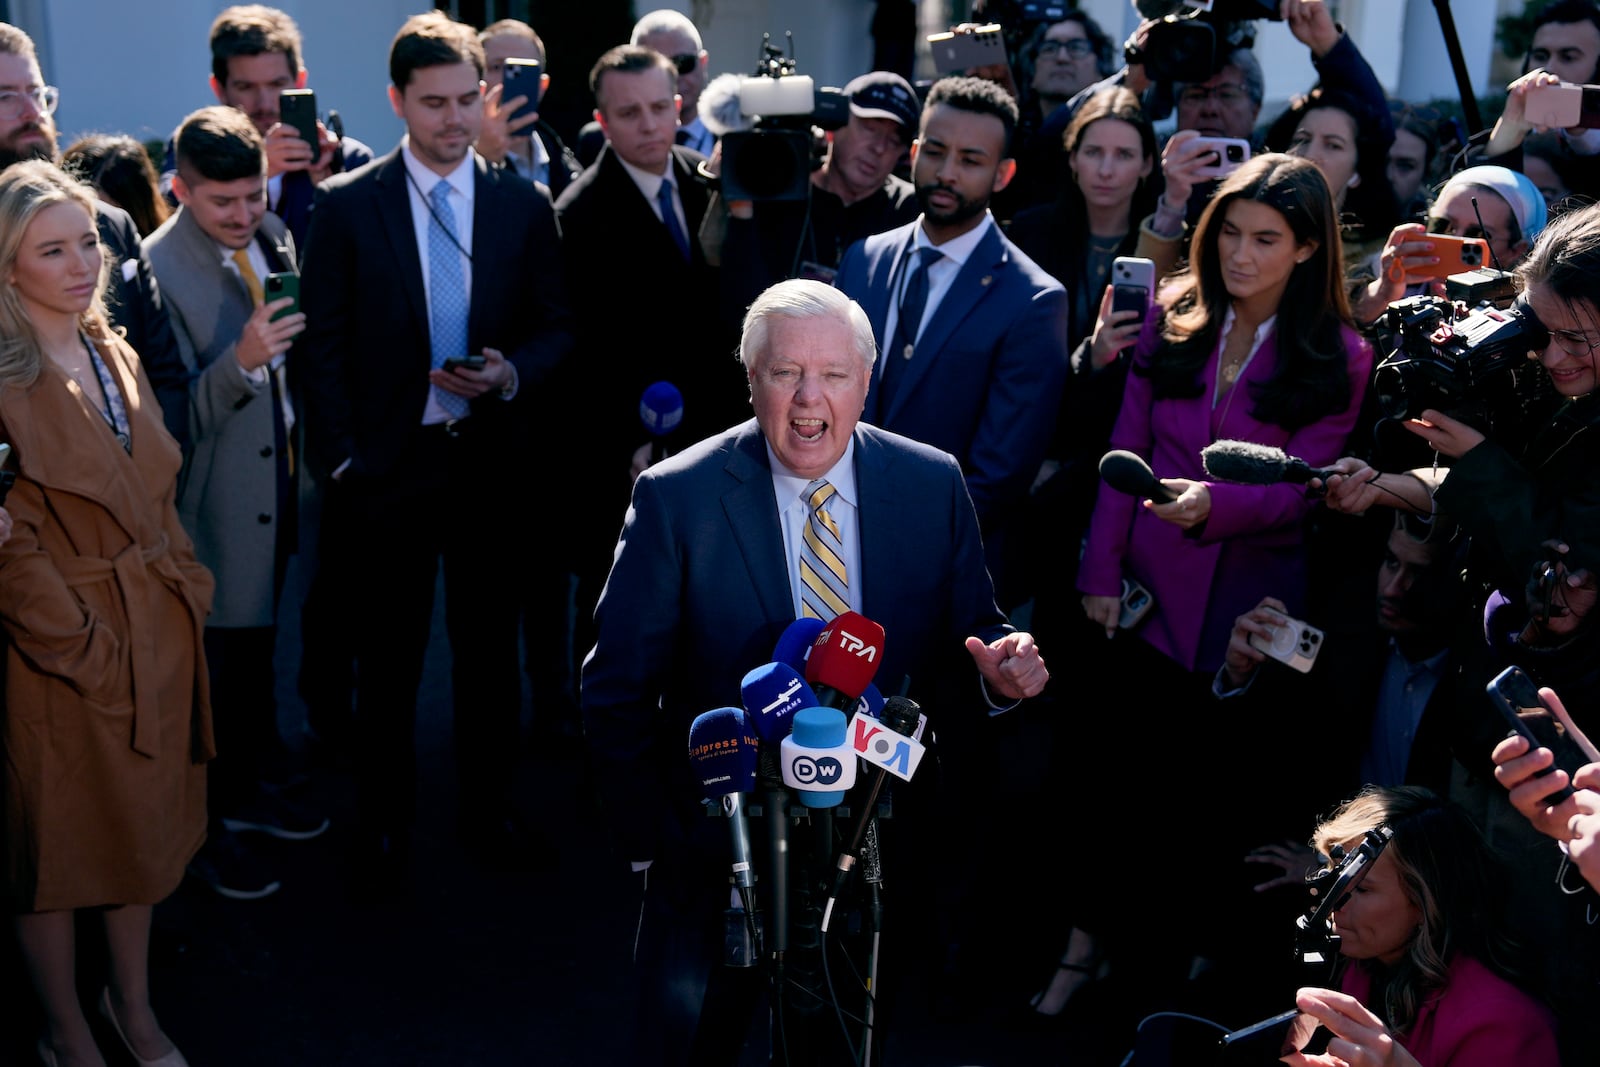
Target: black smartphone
1130	298
1267	1041
1514	693
467	362
279	285
298	108
521	78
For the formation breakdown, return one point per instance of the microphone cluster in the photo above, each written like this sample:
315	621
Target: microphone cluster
808	717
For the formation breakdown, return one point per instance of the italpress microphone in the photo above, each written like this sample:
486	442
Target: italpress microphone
722	750
661	410
1247	463
843	660
794	644
1127	472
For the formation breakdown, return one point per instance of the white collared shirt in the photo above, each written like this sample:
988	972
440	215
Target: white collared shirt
941	276
1262	331
793	511
420	182
650	188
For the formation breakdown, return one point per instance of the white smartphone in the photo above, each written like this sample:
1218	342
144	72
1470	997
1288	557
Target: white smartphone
1133	282
1136	604
1293	642
1231	153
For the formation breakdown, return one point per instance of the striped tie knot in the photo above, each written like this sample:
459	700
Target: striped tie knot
824	583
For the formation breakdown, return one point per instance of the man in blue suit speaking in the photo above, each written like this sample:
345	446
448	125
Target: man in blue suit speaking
709	572
973	332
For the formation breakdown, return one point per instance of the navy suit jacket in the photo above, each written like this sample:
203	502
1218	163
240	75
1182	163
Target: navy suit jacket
365	354
986	382
699	593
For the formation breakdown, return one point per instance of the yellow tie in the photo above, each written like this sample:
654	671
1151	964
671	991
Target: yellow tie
241	259
824	585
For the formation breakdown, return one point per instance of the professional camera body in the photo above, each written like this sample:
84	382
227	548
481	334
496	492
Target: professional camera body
1189	42
765	121
1473	363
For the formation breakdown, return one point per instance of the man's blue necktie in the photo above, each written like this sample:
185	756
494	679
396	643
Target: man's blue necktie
447	295
908	319
669	215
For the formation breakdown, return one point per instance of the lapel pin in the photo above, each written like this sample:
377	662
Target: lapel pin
986	279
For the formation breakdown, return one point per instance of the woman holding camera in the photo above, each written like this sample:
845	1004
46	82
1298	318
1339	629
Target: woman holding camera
107	718
1426	973
1253	342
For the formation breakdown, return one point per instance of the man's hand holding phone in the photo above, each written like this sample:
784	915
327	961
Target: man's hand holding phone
1242	659
1530	775
501	123
495	375
265	337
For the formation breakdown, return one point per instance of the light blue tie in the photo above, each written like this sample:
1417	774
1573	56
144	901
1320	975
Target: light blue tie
447	295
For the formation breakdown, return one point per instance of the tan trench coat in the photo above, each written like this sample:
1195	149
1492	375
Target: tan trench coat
107	719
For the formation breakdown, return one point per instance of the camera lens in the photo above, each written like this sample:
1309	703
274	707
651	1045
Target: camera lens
1235	154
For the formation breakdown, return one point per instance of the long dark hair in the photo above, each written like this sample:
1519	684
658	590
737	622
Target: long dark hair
1312	378
1370	210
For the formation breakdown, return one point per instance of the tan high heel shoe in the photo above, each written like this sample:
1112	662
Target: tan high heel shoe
170	1059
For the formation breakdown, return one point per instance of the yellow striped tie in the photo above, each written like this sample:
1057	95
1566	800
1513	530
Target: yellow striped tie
824	585
241	259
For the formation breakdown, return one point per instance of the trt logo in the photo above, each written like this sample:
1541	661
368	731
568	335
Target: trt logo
882	747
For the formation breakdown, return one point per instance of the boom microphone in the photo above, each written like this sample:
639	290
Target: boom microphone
843	660
1247	463
720	108
661	410
899	718
794	644
1127	472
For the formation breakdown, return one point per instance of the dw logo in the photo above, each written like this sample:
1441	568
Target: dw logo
824	771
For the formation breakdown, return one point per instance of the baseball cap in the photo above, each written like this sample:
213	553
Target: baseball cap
883	94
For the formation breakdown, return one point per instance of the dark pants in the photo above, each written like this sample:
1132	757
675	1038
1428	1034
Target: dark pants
447	501
246	713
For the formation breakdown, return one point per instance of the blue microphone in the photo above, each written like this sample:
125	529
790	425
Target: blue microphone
772	693
722	749
661	410
794	644
871	702
818	761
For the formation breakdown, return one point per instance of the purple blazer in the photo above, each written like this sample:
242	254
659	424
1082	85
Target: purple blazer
1251	546
1477	1020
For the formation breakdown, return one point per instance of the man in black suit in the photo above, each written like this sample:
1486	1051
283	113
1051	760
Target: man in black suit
628	226
418	266
527	144
708	574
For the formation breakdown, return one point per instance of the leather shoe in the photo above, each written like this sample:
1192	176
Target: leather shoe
174	1058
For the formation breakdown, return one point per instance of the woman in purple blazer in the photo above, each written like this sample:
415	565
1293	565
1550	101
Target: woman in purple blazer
1252	342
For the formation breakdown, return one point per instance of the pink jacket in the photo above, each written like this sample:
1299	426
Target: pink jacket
1252	544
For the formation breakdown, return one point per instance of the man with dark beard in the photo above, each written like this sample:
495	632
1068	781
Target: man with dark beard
27	131
973	333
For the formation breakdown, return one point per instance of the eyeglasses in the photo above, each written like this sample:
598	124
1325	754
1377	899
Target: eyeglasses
44	98
1574	344
686	63
1076	47
1226	95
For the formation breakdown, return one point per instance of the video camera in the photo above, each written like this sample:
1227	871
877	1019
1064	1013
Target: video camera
1190	41
1315	941
765	121
1472	363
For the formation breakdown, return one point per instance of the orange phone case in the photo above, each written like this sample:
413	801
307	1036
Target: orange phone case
1456	254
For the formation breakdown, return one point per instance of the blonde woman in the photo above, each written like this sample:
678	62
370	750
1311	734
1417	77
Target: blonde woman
107	720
